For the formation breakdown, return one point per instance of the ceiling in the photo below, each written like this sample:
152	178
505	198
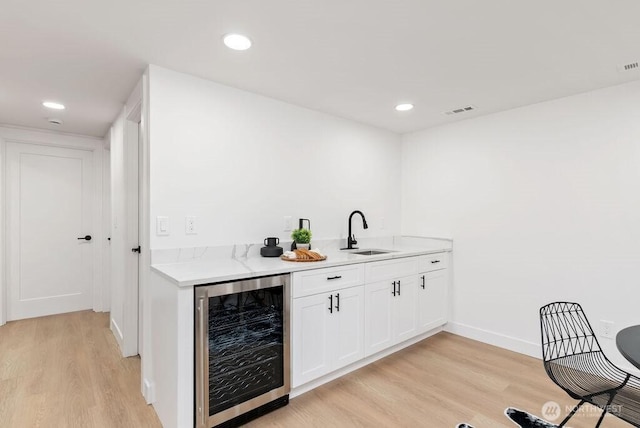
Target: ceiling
356	59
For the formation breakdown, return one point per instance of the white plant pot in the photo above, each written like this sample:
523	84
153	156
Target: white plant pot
302	246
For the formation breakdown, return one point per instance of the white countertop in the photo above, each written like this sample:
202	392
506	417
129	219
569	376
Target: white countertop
208	270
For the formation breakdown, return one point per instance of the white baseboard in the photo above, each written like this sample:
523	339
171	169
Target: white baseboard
149	391
117	333
531	349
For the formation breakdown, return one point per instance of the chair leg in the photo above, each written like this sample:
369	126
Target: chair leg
573	412
604	412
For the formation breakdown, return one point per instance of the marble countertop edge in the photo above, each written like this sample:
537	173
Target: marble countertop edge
201	272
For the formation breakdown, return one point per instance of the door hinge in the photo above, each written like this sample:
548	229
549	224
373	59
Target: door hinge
136	250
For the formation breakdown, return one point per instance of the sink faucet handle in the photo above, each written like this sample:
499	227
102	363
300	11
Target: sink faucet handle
353	240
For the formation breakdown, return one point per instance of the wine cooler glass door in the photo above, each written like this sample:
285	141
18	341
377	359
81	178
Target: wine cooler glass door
243	346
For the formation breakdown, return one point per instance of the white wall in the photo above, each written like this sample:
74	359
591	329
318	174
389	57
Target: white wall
118	227
543	203
240	162
3	285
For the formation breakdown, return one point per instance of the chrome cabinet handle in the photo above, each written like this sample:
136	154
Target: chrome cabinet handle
203	356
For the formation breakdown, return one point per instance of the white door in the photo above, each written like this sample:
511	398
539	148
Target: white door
405	323
349	331
311	338
432	300
49	200
378	316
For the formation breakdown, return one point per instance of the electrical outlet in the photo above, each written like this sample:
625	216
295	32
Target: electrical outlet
190	225
287	223
606	329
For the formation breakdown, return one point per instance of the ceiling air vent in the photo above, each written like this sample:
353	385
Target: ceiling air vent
629	67
460	110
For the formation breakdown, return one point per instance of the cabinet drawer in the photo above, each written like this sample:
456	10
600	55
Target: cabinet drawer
316	281
391	269
433	262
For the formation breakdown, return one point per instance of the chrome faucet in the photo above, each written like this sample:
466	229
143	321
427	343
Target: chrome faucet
351	239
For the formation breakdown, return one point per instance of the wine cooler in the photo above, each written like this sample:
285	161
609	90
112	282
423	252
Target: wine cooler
242	350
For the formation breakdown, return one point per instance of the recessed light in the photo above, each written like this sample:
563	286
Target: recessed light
55	106
404	107
237	42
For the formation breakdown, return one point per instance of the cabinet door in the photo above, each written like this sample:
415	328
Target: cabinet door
349	332
311	338
405	322
432	299
378	316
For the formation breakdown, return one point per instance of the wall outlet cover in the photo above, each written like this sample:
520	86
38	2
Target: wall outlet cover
190	225
607	329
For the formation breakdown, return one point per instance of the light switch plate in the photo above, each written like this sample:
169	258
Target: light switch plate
287	223
162	226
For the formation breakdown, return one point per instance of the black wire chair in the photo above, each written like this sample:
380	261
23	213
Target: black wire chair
574	361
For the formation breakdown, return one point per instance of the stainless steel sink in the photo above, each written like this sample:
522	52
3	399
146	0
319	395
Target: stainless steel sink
371	252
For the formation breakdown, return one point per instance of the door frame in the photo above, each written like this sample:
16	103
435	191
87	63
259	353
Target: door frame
132	328
11	134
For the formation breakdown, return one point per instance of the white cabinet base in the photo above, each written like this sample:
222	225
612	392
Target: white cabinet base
361	363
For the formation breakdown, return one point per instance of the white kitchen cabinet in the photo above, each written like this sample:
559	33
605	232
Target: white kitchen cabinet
343	314
310	338
327	334
405	319
432	299
390	313
349	327
378	330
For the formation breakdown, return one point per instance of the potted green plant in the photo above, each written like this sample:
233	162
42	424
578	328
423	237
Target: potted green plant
302	238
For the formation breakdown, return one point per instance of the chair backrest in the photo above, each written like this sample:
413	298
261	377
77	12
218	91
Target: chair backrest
565	331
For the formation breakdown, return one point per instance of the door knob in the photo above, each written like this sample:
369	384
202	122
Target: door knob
86	238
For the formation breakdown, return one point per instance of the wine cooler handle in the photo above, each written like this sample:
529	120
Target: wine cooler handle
203	357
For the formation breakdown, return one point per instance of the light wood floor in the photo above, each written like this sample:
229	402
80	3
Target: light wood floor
65	371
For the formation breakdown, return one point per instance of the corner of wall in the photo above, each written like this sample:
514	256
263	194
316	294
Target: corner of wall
3	293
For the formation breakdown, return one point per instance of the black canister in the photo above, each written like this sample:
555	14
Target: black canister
271	248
